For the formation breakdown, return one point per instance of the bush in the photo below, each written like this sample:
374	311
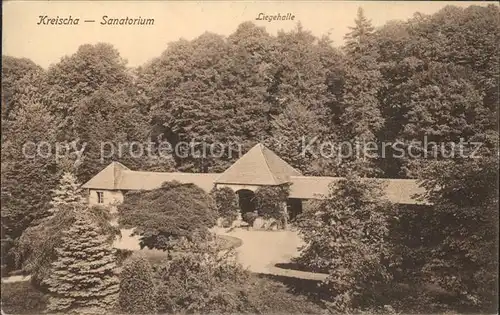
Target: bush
163	216
270	202
22	298
226	203
137	290
201	278
345	235
249	217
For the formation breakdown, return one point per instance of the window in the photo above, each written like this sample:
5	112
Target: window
100	197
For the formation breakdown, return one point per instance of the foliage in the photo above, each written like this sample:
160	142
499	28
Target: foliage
137	290
201	278
345	235
249	217
35	249
296	126
464	231
262	296
436	84
27	178
162	216
226	203
89	69
68	192
83	275
302	95
270	202
361	117
22	298
23	83
107	122
239	82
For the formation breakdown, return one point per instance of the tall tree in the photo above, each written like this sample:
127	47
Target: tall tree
28	168
91	68
250	82
303	98
109	128
300	75
197	105
435	77
361	116
22	83
442	107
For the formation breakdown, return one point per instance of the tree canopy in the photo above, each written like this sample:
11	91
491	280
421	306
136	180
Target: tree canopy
163	216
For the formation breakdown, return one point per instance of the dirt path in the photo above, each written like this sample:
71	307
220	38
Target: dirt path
261	250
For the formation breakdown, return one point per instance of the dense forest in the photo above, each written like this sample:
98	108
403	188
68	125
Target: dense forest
433	76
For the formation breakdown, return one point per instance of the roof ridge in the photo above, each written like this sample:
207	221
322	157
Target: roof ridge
267	163
285	162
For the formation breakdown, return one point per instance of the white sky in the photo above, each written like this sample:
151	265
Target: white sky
46	44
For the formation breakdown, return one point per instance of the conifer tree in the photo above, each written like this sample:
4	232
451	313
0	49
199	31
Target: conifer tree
68	192
83	275
361	116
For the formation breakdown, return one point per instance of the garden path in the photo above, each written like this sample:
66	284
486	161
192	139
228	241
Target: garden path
262	250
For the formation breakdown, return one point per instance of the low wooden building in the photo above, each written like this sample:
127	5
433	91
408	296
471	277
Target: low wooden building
258	167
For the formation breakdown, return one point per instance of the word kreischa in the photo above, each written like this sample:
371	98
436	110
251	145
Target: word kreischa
46	20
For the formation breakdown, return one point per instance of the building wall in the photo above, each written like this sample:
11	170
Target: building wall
110	197
236	187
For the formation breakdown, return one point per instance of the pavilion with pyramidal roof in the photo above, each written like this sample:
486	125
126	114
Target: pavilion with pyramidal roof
256	168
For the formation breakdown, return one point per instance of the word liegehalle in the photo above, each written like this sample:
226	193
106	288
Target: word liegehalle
105	20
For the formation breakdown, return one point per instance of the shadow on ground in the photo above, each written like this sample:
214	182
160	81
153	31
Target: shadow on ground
306	287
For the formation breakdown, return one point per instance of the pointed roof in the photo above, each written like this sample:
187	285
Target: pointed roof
108	178
259	166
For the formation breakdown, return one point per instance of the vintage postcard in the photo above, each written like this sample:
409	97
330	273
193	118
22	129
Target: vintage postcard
254	157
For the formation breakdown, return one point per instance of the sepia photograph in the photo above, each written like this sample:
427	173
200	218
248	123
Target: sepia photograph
249	157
